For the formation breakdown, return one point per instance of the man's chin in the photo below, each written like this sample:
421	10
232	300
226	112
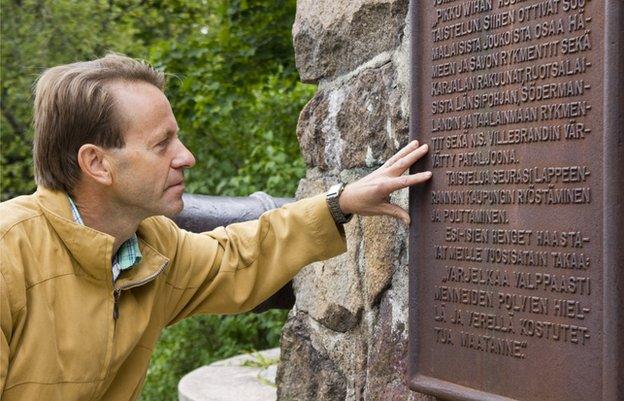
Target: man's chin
173	200
174	208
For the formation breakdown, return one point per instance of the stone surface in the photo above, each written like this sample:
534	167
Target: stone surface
332	37
339	318
346	337
233	379
305	372
387	360
330	291
317	132
361	123
347	351
380	249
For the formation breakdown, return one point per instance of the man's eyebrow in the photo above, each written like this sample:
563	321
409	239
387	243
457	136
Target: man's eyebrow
168	133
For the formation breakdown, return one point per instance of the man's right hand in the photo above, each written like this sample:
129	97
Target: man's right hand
370	195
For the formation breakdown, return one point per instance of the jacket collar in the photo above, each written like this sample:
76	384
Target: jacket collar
92	249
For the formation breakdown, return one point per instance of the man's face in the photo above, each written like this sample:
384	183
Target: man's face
148	172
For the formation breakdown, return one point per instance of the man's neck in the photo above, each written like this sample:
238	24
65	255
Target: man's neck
106	217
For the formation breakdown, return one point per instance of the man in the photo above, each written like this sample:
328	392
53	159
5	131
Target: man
90	269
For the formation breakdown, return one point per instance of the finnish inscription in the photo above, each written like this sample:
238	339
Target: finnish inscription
507	79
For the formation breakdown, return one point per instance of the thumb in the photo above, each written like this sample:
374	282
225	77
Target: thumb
398	212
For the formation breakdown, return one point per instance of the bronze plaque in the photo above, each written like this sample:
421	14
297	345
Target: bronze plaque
515	250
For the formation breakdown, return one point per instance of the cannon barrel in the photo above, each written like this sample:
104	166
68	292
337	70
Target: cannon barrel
204	213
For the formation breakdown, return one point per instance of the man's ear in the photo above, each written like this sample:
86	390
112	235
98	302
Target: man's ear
94	164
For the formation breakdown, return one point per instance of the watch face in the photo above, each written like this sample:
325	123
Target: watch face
334	190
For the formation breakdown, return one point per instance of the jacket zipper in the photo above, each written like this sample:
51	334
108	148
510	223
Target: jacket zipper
116	300
117	291
116	296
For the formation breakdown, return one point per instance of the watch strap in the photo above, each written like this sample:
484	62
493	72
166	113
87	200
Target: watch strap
333	196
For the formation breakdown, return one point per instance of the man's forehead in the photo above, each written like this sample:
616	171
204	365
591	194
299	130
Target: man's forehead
141	103
135	93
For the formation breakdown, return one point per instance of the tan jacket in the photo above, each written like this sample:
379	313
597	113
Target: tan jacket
60	341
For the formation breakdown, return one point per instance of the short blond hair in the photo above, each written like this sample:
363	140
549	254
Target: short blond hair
74	106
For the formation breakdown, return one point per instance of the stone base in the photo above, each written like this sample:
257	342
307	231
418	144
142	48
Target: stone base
244	377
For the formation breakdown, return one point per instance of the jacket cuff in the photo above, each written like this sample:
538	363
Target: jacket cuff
328	235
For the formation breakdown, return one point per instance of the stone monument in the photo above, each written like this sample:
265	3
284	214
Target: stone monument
346	337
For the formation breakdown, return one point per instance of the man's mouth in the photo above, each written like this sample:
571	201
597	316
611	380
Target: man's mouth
177	184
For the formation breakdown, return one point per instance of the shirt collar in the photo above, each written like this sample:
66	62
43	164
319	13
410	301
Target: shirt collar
128	254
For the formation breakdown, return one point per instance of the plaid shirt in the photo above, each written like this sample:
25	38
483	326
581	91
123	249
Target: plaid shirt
128	254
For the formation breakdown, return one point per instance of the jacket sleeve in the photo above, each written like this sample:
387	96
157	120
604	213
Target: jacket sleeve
12	305
233	269
5	335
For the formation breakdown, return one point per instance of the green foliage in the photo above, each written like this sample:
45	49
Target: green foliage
235	96
36	35
259	361
235	93
233	85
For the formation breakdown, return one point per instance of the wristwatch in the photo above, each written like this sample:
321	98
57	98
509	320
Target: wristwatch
334	206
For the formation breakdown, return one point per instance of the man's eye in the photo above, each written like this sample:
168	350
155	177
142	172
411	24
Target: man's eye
163	144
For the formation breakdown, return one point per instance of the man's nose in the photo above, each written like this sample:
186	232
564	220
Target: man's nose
184	158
